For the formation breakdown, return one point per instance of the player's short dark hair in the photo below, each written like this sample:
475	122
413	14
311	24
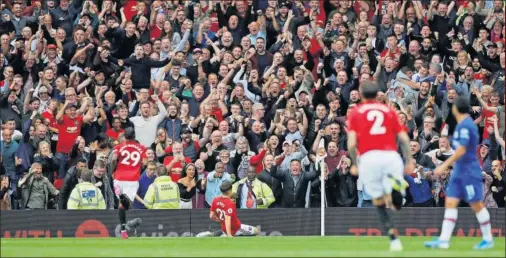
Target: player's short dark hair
130	133
462	105
370	90
225	187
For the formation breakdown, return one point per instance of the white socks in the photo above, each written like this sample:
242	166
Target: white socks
448	224
486	228
451	218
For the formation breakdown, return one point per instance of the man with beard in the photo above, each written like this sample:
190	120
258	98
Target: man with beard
262	58
429	109
429	47
35	189
418	99
385	28
420	158
252	193
172	123
146	123
445	101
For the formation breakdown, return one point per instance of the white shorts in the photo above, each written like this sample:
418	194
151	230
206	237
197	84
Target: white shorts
129	188
245	230
373	168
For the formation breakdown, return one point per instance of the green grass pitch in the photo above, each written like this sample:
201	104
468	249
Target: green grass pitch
240	247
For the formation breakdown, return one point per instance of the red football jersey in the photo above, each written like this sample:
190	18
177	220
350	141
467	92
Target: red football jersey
68	131
376	126
130	156
225	206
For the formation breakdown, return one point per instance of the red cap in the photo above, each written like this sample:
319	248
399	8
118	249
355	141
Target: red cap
51	46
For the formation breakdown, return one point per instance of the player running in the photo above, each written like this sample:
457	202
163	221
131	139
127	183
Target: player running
373	131
466	179
223	210
127	162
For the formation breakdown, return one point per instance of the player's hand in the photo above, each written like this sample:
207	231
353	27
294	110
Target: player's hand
354	170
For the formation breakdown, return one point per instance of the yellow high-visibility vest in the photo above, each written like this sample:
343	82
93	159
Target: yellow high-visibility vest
162	194
86	196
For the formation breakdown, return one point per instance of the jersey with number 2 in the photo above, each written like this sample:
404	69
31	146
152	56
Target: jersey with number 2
376	126
129	161
225	206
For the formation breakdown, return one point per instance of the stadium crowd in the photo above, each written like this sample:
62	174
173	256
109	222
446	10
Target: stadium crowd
222	90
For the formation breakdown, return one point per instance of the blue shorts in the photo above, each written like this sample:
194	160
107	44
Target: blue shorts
466	188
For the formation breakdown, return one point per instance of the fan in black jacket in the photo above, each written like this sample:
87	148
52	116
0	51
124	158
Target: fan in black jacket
295	181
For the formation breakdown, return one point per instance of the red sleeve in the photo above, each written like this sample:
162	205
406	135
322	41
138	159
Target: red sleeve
213	206
351	121
168	150
279	161
256	159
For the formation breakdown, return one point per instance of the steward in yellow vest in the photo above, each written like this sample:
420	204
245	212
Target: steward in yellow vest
85	195
162	193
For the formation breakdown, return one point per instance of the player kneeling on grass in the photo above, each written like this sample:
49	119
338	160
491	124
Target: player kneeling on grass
466	179
223	210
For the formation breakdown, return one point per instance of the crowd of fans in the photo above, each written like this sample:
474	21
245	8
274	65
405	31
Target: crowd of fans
222	90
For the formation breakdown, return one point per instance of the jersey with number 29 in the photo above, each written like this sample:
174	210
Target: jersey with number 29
225	206
130	155
376	126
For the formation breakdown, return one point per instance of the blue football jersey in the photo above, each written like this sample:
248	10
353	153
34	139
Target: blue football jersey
466	134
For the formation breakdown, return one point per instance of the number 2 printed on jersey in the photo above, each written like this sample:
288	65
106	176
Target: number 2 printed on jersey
377	127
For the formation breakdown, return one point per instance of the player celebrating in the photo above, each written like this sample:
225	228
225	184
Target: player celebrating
373	130
126	158
466	179
223	210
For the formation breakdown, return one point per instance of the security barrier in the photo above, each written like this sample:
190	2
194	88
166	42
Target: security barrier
272	222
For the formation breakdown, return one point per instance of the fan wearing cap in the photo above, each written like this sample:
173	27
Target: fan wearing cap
51	55
69	122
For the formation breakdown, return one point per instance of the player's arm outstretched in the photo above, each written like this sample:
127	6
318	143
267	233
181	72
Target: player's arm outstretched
406	152
459	152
